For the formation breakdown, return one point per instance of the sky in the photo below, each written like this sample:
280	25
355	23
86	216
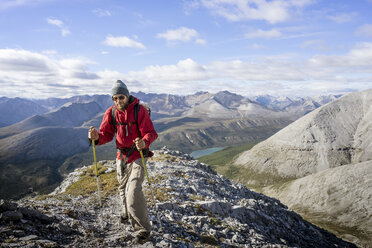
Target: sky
59	48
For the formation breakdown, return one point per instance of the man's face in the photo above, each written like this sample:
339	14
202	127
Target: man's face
121	101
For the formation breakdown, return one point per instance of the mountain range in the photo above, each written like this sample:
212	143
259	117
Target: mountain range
14	110
43	139
321	166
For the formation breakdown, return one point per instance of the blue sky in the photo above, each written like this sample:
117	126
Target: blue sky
56	48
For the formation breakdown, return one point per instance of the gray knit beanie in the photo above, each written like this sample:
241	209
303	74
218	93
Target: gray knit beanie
119	88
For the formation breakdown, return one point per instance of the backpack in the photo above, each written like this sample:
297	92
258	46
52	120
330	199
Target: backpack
136	110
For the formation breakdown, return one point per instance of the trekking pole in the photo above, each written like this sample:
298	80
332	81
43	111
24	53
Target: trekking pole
149	182
97	176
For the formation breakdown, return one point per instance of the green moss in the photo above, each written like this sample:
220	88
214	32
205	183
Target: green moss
164	157
157	179
215	222
210	181
87	184
92	170
208	239
199	210
42	197
185	240
11	240
160	194
196	198
319	219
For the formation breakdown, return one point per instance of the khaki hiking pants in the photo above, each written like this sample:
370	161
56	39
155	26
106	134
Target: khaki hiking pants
130	190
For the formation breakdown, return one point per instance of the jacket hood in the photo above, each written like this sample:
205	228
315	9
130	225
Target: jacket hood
132	101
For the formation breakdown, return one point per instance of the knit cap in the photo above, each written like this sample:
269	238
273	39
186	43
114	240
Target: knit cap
119	88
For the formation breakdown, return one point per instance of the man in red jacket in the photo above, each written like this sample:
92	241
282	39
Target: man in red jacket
129	140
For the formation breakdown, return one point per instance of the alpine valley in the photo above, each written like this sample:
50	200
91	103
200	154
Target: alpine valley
42	140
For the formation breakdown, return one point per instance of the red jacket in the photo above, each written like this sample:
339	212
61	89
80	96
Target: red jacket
124	138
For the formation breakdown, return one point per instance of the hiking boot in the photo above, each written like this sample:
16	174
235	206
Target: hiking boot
124	219
142	238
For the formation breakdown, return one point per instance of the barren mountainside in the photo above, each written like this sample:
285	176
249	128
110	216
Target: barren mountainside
320	166
336	134
342	195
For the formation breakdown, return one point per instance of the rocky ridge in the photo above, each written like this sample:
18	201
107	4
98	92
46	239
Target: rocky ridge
197	208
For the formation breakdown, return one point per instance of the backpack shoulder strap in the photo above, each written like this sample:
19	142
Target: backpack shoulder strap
136	111
113	118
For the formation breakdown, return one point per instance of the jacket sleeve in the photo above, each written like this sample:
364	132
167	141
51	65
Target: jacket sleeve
106	130
146	126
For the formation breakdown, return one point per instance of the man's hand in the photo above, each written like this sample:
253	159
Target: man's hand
93	134
140	144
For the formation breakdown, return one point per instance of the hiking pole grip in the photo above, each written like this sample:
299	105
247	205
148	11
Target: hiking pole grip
96	169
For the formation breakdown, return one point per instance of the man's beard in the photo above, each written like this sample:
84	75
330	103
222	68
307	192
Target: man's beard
121	107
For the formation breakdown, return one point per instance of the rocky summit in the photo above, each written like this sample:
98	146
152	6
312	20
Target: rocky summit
195	207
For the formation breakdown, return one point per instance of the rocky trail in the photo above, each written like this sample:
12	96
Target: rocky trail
197	208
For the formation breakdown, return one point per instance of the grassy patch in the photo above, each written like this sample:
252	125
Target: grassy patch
196	198
87	184
160	194
320	219
221	161
225	156
215	222
164	157
157	179
208	239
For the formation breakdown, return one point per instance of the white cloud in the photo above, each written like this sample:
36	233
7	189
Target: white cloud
343	17
266	34
123	41
242	10
181	34
101	12
64	30
25	61
28	74
365	30
184	70
333	71
55	22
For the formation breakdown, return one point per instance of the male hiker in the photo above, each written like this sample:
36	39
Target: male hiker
130	138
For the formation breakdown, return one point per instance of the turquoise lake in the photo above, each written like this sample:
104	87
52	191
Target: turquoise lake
201	153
